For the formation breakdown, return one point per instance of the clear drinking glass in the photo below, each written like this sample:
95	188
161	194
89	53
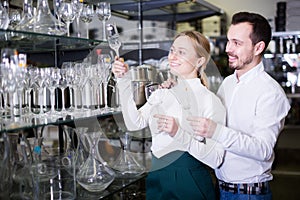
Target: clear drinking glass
113	38
77	6
67	14
4	18
104	13
104	62
63	84
86	16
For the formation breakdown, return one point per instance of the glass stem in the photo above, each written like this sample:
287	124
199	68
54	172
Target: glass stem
29	100
63	99
77	26
87	31
11	104
68	28
105	95
71	97
20	102
41	100
104	30
52	99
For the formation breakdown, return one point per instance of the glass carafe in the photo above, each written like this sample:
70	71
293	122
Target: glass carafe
44	21
94	175
126	166
27	14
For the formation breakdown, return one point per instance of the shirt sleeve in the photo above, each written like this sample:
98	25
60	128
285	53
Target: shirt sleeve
267	124
134	119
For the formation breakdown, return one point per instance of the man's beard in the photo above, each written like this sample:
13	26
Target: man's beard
239	64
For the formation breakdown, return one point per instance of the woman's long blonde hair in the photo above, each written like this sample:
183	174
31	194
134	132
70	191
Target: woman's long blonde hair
202	49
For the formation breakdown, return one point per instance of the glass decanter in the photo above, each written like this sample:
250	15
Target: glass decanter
44	21
126	166
94	175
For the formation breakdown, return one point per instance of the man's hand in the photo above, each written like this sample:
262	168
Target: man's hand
202	126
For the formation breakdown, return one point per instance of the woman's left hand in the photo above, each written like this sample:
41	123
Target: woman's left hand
167	124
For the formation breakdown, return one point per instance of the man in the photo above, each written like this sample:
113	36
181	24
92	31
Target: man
256	108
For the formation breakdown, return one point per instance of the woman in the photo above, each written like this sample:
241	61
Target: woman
179	159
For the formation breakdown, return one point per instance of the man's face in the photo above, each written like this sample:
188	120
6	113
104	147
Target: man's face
239	47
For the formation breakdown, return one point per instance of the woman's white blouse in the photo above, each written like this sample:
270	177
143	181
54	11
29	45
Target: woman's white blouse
188	98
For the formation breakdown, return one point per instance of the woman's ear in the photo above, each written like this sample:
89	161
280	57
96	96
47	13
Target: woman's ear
200	61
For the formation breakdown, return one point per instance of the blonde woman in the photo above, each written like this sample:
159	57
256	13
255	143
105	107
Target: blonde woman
179	159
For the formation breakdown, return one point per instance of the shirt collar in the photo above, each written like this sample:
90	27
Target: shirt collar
252	73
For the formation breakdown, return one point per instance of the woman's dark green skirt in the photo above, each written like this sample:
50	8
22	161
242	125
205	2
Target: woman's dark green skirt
179	175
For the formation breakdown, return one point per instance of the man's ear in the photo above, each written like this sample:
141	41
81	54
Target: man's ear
259	47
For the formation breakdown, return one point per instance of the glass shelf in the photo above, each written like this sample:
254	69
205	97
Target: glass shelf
30	42
162	10
36	121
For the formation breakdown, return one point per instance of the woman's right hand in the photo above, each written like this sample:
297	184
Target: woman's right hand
119	68
168	84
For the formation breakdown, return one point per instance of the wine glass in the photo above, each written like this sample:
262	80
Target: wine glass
113	38
10	70
63	84
82	76
67	14
53	77
86	16
104	13
104	63
29	84
77	6
4	17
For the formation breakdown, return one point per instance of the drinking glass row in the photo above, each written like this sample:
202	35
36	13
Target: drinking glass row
65	12
33	91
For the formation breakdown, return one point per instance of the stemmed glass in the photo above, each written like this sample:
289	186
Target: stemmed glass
113	38
81	71
4	17
20	78
86	16
53	78
104	13
70	76
104	62
63	84
67	14
10	70
28	85
77	6
39	78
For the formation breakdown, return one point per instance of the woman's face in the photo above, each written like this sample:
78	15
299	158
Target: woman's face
182	58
